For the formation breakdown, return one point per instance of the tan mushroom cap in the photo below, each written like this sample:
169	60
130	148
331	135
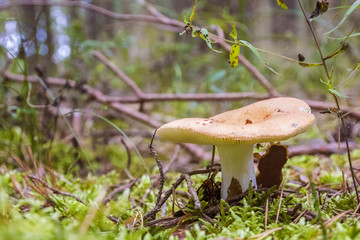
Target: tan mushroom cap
264	121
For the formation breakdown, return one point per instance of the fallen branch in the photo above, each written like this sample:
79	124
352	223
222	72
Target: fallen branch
154	154
319	148
196	151
57	191
168	193
192	191
116	102
137	91
94	8
119	189
155	18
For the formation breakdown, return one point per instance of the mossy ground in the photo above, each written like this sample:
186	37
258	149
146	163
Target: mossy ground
318	209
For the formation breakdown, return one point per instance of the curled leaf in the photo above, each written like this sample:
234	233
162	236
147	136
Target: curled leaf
204	34
321	7
234	54
301	57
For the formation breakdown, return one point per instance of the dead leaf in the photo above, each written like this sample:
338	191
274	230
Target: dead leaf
271	164
301	57
321	7
234	188
211	193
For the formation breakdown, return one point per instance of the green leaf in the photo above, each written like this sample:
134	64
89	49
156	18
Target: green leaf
347	14
193	12
234	54
204	34
195	32
356	67
256	52
282	4
337	93
233	33
322	81
346	37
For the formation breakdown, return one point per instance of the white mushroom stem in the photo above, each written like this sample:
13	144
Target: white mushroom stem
236	162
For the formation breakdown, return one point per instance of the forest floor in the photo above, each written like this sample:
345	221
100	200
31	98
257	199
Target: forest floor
314	201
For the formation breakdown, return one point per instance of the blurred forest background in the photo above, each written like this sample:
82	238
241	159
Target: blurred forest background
125	60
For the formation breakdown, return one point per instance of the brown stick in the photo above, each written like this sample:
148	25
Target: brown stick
167	194
120	74
154	154
115	102
119	189
57	191
192	191
196	151
319	148
94	8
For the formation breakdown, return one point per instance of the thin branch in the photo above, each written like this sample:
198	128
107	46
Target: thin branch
57	191
137	91
167	194
196	151
154	154
319	148
128	153
116	102
173	158
335	98
192	191
251	68
156	18
94	8
119	189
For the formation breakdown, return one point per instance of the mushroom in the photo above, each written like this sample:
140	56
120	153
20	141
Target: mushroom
235	132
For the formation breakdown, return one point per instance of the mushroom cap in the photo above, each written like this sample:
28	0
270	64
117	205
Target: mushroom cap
268	120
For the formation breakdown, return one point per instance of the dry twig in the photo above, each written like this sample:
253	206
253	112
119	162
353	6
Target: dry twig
192	191
167	194
57	191
119	189
154	154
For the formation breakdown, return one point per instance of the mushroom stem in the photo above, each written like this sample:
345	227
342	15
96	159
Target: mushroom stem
236	162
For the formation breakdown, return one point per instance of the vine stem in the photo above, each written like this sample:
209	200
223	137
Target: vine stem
335	98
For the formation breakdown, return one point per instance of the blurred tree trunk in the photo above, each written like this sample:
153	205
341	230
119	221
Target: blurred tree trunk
28	30
91	24
96	24
49	64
